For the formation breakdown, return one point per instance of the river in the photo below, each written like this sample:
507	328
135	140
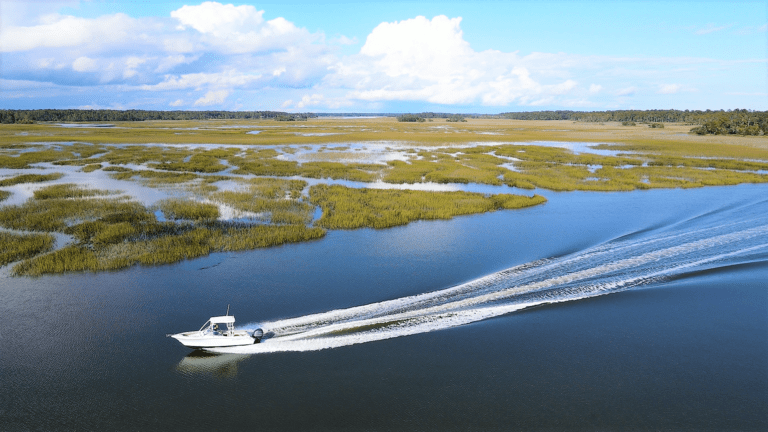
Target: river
594	311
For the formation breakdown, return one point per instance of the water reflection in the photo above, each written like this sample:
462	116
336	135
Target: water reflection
200	362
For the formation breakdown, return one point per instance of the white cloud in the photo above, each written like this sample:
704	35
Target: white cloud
428	60
131	64
669	89
144	50
213	97
68	31
240	29
84	64
216	18
308	101
218	50
227	79
169	62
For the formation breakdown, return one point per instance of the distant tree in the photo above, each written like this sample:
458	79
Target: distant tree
410	118
456	118
71	115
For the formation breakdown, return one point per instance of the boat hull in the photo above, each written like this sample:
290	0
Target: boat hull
200	340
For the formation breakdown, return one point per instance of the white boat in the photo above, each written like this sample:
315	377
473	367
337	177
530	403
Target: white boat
217	332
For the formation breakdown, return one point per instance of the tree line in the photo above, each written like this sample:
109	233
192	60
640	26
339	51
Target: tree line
736	122
739	121
643	116
77	115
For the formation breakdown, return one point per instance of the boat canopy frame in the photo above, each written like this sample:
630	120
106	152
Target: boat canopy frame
229	320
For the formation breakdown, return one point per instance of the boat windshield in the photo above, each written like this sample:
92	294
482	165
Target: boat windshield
216	328
205	327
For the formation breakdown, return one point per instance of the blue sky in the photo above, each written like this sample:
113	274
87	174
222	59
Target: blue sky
344	56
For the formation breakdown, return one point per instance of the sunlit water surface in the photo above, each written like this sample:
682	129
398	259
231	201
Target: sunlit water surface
595	311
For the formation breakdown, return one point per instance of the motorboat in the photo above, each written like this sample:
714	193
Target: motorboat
218	331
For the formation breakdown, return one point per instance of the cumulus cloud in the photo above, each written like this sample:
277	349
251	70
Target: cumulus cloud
213	97
201	55
239	29
211	48
67	31
428	60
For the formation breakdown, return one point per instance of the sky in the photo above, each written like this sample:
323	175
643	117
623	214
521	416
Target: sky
384	56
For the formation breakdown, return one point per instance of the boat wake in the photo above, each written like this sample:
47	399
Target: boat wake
623	263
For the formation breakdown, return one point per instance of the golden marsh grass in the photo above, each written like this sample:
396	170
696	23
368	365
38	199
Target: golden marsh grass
348	208
114	232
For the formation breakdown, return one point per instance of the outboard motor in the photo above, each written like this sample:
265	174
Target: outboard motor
257	334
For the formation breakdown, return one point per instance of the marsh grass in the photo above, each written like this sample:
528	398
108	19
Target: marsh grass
4	195
279	198
150	177
28	155
200	241
184	209
540	166
30	178
111	243
113	233
22	246
56	214
347	208
68	259
117	169
370	130
340	171
200	162
68	190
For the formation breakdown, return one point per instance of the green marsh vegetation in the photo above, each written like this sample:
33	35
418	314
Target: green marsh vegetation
348	208
21	246
30	178
264	162
113	232
538	166
176	209
161	243
67	190
150	177
55	210
281	199
4	195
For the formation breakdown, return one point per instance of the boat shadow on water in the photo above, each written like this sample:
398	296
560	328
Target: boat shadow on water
201	362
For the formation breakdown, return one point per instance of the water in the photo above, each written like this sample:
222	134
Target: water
610	311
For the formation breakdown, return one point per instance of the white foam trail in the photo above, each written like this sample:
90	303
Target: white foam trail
600	270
